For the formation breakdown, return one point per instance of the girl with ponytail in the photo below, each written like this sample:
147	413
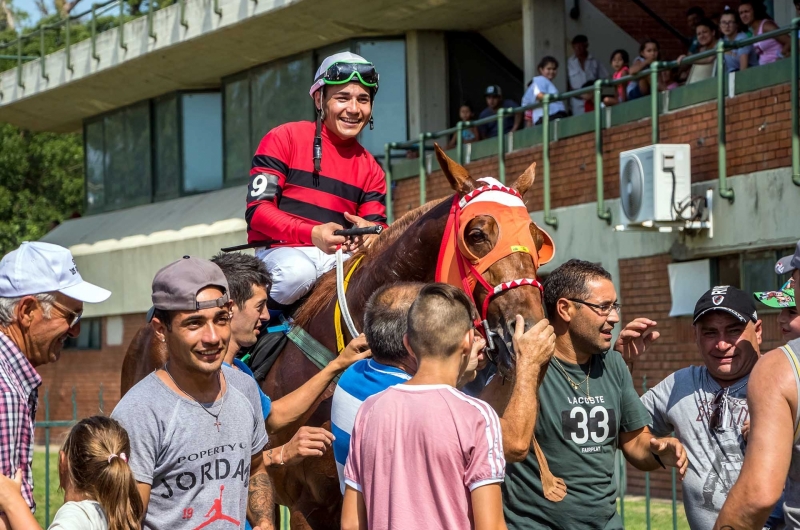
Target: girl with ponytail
99	489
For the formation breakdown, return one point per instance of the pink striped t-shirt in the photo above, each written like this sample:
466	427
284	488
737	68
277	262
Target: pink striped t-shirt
416	453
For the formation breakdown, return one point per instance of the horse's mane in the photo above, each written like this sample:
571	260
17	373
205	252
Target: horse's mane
325	289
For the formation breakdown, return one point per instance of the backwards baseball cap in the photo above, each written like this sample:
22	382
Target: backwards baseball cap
778	299
789	263
493	90
729	299
37	267
175	286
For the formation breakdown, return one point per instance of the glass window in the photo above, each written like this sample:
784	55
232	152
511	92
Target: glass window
95	176
202	141
167	148
89	338
389	112
758	272
279	93
128	171
238	149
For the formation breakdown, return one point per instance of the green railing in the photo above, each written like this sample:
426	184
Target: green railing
655	98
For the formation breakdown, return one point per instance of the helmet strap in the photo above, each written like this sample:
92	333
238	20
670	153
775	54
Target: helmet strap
371	123
318	143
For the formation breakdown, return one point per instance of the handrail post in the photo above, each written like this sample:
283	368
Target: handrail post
387	169
501	146
794	93
722	155
122	26
549	219
460	142
42	54
423	173
654	101
602	212
150	31
94	33
184	23
19	62
68	45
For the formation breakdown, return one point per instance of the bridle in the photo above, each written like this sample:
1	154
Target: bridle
458	266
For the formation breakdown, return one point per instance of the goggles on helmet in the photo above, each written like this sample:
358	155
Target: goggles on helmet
341	73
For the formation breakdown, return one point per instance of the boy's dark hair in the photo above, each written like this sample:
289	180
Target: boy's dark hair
695	10
242	272
386	320
578	39
438	320
547	59
626	59
569	281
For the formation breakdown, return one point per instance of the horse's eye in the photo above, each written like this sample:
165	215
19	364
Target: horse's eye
476	235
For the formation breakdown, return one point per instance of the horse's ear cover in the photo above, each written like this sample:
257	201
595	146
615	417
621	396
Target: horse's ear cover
548	249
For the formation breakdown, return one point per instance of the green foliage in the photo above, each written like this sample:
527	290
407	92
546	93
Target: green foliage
41	182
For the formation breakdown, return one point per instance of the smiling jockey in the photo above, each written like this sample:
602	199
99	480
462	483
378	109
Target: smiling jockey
297	197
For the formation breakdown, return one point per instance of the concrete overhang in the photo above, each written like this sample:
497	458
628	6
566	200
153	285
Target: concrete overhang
212	46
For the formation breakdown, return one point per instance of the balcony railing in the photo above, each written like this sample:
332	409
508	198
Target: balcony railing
603	212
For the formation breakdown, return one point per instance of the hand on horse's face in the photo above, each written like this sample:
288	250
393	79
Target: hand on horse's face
477	361
322	237
356	350
534	347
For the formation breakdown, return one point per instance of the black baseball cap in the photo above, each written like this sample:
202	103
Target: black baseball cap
729	299
493	90
789	263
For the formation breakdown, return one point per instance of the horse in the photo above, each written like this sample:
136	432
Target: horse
406	251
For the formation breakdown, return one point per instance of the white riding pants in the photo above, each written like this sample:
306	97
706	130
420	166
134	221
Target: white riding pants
295	270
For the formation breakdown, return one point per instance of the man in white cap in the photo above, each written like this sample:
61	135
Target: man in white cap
308	180
773	444
41	302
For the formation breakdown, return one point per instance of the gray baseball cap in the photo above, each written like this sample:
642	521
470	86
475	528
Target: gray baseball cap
175	286
789	263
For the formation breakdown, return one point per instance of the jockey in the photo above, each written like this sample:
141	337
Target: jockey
308	180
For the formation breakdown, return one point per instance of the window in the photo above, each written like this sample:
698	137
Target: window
166	148
750	271
201	115
89	338
236	132
95	172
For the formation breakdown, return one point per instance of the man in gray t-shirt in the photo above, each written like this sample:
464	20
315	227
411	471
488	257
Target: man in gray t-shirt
705	406
196	427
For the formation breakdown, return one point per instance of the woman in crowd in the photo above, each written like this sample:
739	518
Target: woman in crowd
99	488
739	58
649	52
754	15
706	33
619	65
543	84
468	134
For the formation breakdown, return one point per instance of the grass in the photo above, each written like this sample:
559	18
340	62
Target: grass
660	514
56	497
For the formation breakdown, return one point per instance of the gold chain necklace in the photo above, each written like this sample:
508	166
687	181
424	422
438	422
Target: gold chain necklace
575	386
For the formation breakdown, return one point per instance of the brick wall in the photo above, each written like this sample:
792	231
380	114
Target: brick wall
649	296
635	22
85	371
758	131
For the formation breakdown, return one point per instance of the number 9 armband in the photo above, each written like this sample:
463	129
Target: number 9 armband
263	187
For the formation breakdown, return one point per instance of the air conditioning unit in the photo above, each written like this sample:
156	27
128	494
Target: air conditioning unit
655	182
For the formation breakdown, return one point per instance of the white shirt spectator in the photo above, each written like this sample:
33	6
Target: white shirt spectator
542	85
578	76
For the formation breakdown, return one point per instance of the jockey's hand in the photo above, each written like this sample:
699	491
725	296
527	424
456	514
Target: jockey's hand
358	241
356	350
535	345
323	238
307	441
636	338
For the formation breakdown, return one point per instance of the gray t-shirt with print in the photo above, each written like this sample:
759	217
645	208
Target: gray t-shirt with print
199	472
684	403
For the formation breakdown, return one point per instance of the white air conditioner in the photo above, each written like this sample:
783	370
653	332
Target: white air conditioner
654	183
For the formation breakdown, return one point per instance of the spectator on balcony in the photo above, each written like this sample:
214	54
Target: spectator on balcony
468	134
41	303
649	52
693	17
494	100
707	38
754	14
543	84
739	58
620	61
582	68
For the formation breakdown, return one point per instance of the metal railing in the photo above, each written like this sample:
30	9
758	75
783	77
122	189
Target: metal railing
653	73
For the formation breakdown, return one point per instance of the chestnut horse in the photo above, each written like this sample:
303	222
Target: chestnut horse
406	251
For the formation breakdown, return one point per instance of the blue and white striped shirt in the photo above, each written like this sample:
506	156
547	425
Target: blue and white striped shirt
360	381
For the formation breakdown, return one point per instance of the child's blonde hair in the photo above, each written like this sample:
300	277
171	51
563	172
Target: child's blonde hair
97	451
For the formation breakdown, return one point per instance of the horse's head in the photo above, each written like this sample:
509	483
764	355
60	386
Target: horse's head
501	250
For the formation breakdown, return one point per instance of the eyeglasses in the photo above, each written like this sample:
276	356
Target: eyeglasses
720	404
603	310
73	317
341	73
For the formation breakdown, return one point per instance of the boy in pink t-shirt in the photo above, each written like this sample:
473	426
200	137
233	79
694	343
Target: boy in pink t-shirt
423	454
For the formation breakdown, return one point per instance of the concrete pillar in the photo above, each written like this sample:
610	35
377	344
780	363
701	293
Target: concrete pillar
784	11
426	71
543	33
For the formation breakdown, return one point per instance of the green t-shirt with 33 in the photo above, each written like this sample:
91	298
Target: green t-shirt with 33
579	437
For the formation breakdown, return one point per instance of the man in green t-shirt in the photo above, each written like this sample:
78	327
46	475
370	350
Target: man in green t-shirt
587	409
